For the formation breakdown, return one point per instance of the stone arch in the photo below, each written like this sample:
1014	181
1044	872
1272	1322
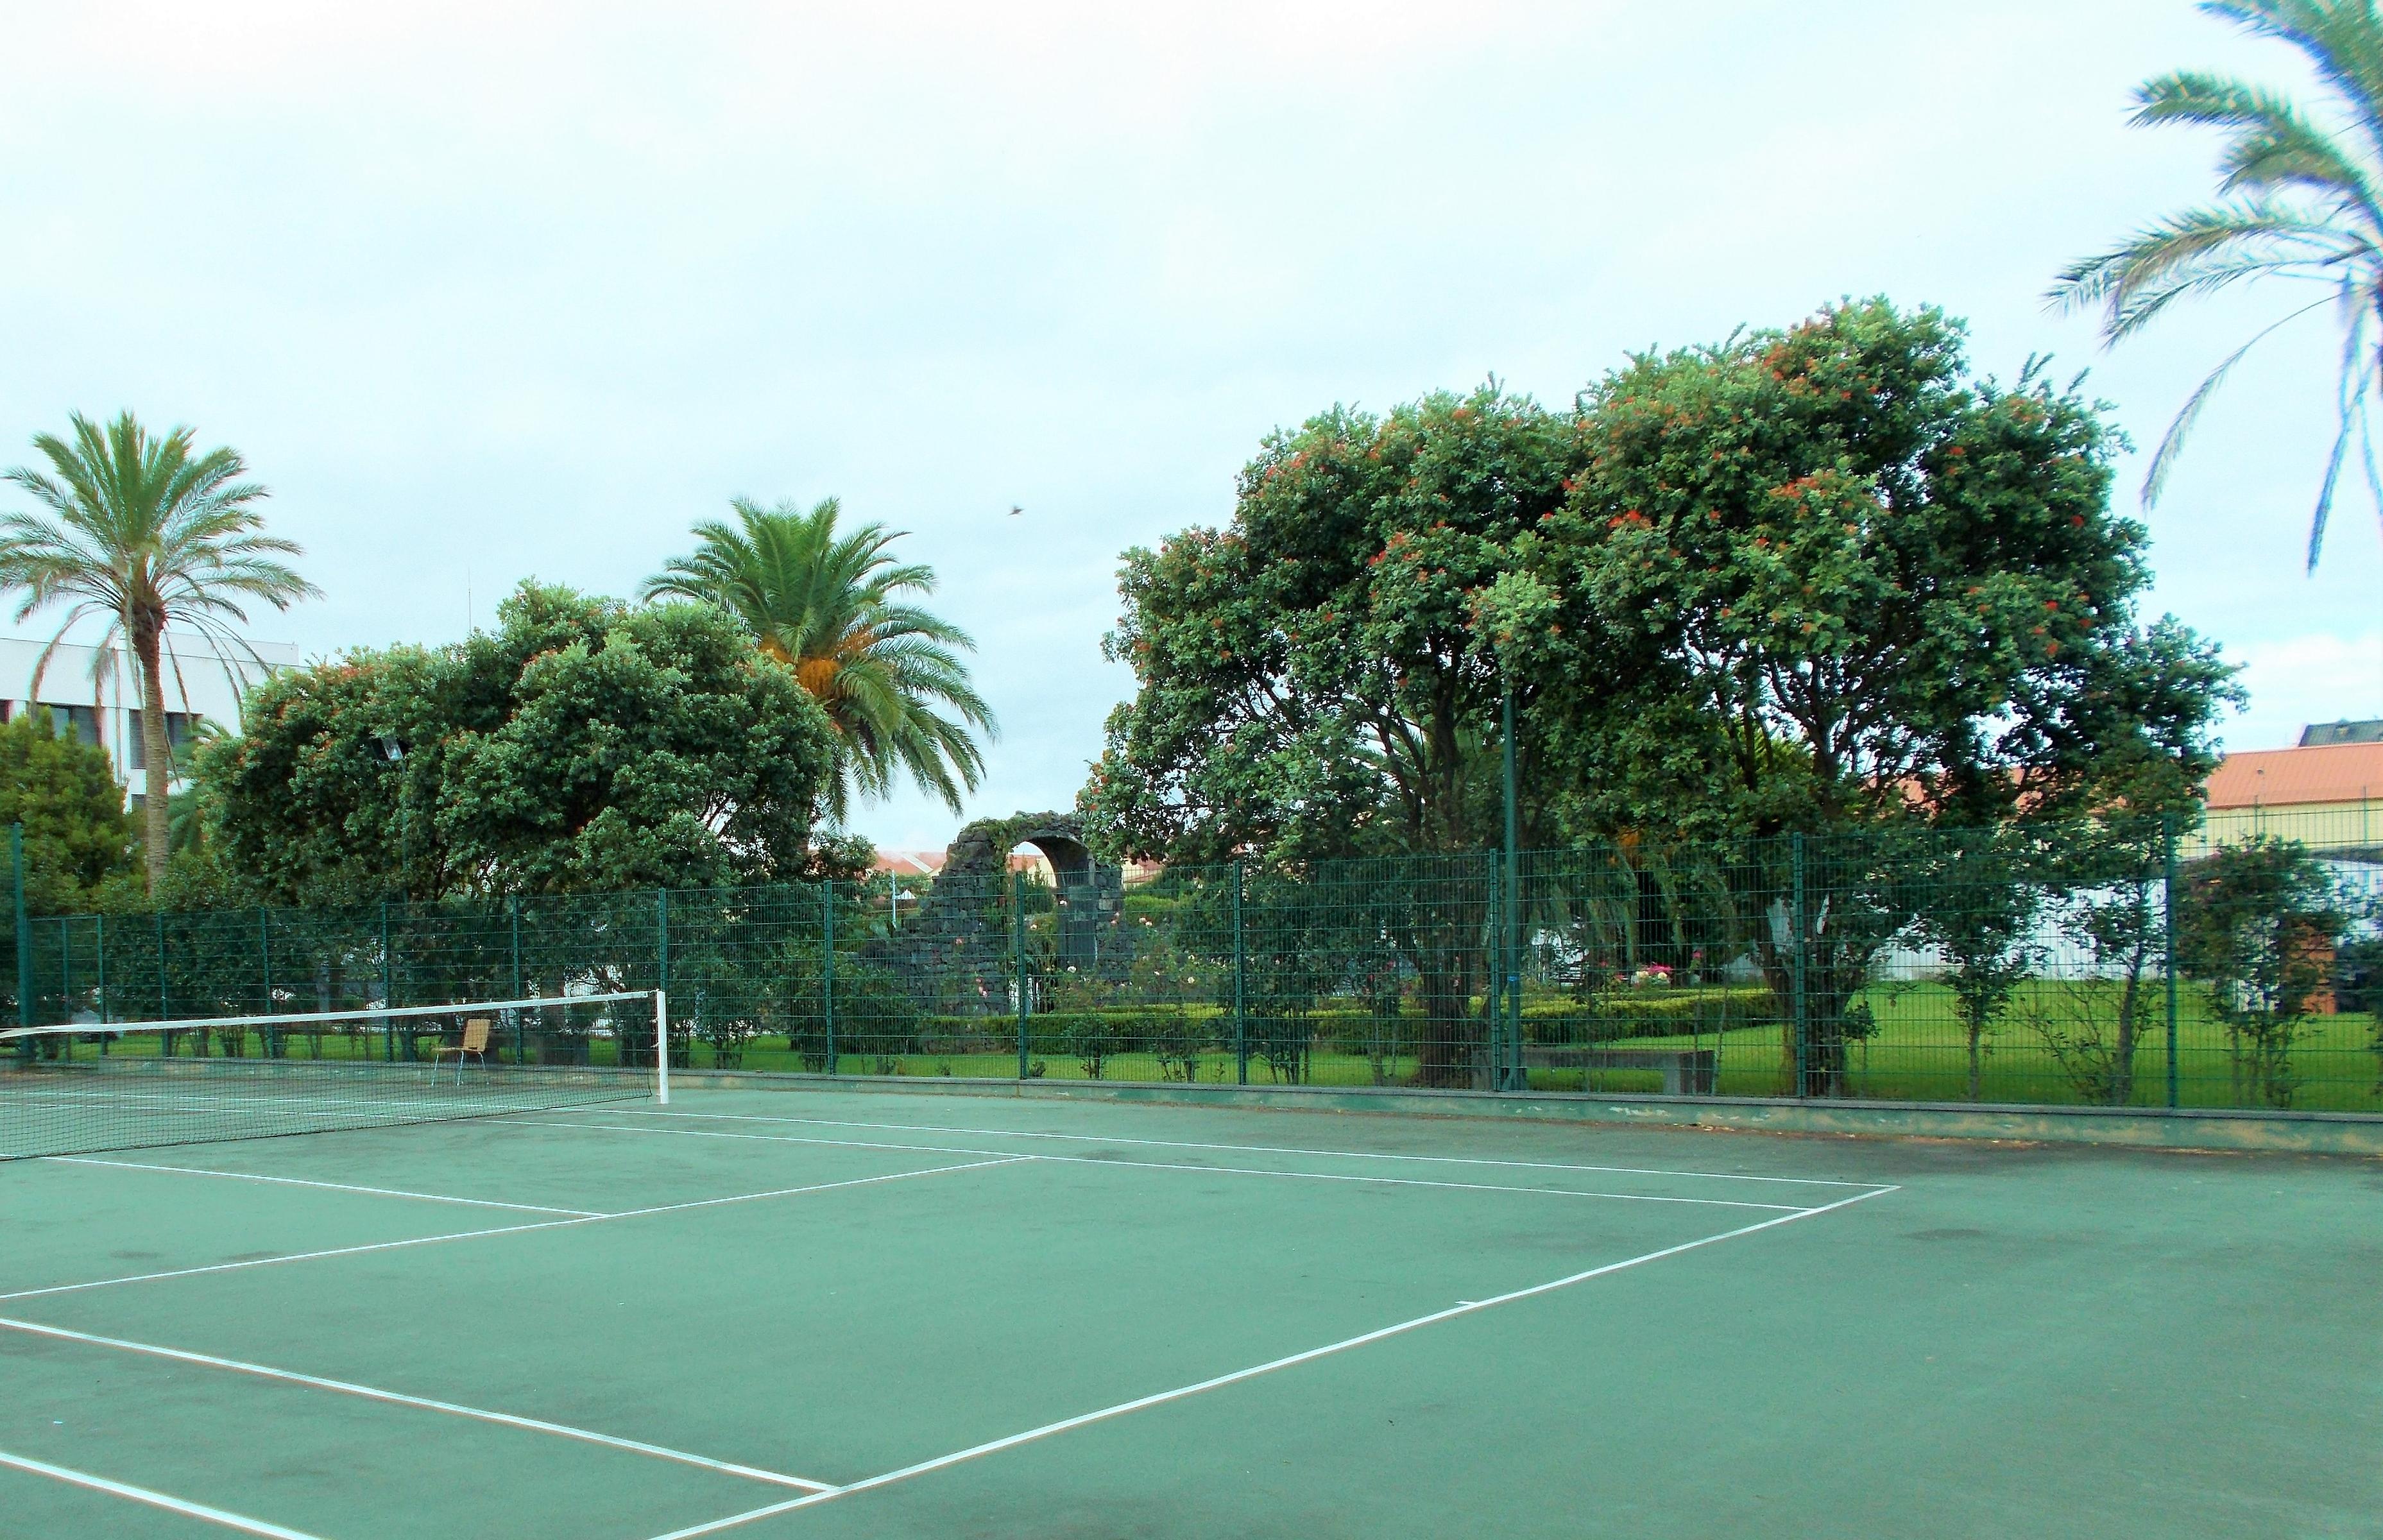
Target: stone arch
1091	895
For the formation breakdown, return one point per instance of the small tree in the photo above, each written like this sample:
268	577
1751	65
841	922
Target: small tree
2259	925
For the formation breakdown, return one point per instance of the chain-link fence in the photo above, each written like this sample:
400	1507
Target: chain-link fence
2116	963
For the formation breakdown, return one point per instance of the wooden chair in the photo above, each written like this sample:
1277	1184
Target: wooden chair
474	1046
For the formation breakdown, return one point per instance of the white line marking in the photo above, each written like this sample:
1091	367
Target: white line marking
501	1229
1242	1149
1125	1408
1168	1165
295	1256
346	1388
336	1187
154	1499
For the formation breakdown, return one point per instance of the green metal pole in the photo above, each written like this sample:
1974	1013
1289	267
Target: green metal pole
265	958
521	988
2168	929
24	935
99	961
1513	1075
165	1013
1240	986
1018	933
827	966
661	920
388	989
1796	968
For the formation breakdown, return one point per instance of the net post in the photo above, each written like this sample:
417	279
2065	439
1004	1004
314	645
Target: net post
2167	940
661	1047
1795	966
1241	986
1017	948
24	936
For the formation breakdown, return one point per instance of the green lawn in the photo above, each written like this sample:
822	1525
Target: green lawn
1916	1054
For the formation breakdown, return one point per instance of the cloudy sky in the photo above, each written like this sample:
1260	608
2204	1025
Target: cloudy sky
491	291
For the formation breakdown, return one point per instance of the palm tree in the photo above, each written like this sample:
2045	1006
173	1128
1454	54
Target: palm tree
2301	199
834	608
140	531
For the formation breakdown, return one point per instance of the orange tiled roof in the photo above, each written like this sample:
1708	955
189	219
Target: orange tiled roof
2299	777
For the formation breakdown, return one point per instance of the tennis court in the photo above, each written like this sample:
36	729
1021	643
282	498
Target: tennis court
820	1314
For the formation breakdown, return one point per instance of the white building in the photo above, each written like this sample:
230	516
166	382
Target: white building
108	714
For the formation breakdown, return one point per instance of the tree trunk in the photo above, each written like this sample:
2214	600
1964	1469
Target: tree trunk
157	752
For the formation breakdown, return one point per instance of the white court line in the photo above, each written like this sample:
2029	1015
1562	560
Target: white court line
501	1229
154	1499
1126	1408
1242	1149
338	1187
1168	1165
393	1397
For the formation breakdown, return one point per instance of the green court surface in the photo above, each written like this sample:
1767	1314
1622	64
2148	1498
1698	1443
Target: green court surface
820	1315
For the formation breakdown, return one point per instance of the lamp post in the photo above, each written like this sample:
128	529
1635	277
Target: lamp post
392	752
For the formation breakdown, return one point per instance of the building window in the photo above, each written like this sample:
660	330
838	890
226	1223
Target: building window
136	749
78	722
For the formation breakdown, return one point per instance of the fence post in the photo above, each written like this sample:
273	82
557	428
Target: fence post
662	962
265	962
521	988
827	965
2167	935
24	937
1494	987
1796	968
388	990
1241	986
99	960
163	1012
1018	935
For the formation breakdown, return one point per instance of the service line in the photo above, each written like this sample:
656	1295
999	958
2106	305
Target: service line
1123	1409
154	1499
1172	1165
503	1230
1240	1149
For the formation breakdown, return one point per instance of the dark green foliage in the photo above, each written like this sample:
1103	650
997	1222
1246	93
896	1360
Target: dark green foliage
79	843
581	746
2258	927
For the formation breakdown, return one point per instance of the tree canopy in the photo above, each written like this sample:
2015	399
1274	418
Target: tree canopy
80	849
1802	579
147	536
837	608
1312	679
1871	586
584	745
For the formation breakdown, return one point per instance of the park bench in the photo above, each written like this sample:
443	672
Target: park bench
1685	1071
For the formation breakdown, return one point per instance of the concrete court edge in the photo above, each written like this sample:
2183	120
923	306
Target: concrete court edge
2149	1128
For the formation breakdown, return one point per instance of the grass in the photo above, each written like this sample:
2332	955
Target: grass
1918	1053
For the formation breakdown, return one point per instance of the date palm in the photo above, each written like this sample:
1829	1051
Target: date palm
2299	201
141	533
835	608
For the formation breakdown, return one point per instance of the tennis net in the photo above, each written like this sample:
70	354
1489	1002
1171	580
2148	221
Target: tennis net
92	1085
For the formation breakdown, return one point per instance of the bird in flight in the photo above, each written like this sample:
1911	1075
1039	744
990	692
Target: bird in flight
1015	511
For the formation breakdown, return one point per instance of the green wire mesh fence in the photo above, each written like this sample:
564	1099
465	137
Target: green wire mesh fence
2231	965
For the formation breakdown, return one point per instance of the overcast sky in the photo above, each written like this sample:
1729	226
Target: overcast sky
485	290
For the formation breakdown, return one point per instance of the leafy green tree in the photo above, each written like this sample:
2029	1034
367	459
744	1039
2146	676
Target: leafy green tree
1312	681
837	609
1869	594
2300	203
1875	589
584	745
147	536
79	843
2258	924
